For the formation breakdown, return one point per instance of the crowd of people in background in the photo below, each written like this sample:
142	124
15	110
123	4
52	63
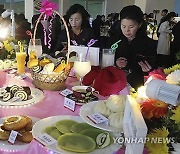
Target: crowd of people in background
129	26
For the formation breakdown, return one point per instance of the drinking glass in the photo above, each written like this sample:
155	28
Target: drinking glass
82	65
35	47
108	57
21	61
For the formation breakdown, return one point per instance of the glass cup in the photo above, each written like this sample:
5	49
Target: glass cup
108	57
82	65
35	47
21	61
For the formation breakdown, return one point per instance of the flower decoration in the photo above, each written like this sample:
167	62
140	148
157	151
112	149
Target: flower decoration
162	119
176	115
157	74
171	69
48	7
161	147
154	109
8	48
174	78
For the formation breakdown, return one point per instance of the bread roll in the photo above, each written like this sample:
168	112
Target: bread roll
101	107
116	120
116	103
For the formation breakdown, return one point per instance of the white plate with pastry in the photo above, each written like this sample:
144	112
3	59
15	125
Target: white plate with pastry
40	126
18	146
87	110
35	97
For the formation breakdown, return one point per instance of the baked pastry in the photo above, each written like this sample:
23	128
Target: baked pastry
21	94
7	96
48	68
37	69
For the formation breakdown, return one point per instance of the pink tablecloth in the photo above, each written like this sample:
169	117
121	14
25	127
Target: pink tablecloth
51	105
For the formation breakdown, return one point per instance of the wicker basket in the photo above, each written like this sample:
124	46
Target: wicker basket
52	81
49	81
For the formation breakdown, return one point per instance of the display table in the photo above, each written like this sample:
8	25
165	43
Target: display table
51	105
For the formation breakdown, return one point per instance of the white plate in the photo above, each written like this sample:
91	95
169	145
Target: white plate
39	127
18	146
37	95
88	109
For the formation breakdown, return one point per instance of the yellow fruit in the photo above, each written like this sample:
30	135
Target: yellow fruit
60	67
32	55
32	62
44	61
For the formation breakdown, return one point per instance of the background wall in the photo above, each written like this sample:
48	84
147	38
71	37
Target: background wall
159	5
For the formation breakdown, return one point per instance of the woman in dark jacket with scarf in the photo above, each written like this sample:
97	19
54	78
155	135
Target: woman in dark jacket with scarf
79	27
136	52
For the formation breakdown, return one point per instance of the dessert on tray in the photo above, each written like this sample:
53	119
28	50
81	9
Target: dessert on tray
22	93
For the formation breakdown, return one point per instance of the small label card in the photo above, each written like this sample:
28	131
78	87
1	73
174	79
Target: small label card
12	71
98	118
69	103
46	140
12	136
66	92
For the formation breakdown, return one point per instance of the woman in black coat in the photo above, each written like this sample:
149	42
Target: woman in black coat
136	52
79	28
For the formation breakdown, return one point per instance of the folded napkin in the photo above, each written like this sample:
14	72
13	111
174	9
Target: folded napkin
108	80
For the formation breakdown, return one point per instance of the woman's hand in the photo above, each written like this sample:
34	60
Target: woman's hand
121	62
145	66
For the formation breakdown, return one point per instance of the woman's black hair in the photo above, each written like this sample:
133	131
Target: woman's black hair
169	16
77	8
133	12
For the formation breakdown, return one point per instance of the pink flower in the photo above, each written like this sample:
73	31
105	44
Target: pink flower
48	7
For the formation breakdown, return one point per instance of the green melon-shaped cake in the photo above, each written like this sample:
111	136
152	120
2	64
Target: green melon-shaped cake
80	127
102	138
64	126
53	132
76	142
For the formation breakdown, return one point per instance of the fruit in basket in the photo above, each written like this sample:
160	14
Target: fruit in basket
80	127
60	67
53	132
32	63
76	143
48	68
64	126
44	61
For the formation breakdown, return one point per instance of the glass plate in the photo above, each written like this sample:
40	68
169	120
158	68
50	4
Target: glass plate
37	96
39	127
18	146
88	109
